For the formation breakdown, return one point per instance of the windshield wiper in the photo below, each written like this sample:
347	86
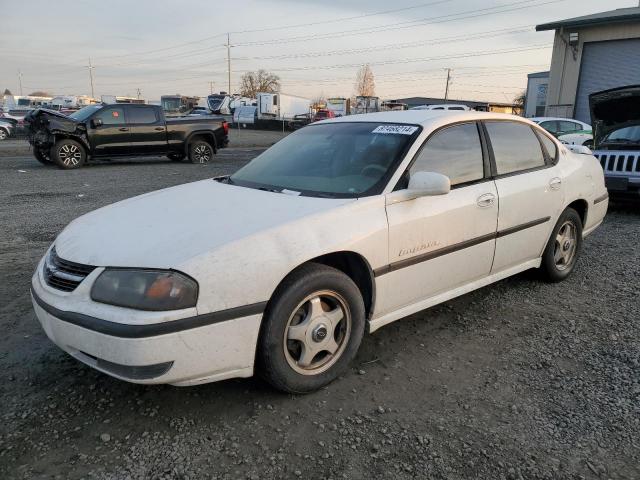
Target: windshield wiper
266	189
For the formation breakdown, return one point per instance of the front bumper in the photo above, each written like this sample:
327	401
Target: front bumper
138	351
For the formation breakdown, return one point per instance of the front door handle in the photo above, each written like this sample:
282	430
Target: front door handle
123	129
486	200
555	183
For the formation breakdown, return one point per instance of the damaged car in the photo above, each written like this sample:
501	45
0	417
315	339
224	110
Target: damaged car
615	115
121	130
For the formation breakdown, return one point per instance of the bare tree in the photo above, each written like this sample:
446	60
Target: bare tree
365	84
520	99
260	81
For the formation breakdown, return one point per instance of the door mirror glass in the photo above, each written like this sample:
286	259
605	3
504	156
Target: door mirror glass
422	184
96	122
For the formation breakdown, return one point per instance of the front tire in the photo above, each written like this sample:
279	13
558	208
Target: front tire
312	329
200	152
68	154
42	156
3	134
562	251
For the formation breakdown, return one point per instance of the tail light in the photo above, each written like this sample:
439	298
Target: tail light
225	127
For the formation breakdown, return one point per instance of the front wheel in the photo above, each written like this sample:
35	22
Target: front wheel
312	329
42	156
200	152
3	134
68	154
562	251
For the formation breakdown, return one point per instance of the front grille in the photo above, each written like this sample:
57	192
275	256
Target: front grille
62	274
619	161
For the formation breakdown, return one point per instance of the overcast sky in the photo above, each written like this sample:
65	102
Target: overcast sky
166	46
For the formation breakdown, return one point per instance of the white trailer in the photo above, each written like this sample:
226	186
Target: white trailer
339	106
280	106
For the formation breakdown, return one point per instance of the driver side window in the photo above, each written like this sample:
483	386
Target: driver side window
455	152
111	116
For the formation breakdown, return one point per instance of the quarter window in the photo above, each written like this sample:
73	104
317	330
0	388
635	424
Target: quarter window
455	152
515	147
549	145
141	115
550	126
111	116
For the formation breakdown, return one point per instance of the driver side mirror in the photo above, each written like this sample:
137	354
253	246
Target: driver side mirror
96	122
422	184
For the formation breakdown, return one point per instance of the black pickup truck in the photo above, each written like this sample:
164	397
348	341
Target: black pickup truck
105	131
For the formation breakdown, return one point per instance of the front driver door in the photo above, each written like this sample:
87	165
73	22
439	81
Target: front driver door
112	136
438	243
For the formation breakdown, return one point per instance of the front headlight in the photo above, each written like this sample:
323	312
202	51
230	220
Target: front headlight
145	289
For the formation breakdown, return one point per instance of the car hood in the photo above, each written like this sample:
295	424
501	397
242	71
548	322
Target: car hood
164	229
51	120
614	109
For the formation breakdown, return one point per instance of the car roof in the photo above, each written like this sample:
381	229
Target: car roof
428	119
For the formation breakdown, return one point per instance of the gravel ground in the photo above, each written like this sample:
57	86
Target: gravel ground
519	380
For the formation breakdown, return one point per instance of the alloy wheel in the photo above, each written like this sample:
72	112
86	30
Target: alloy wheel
317	333
202	153
70	155
3	134
566	245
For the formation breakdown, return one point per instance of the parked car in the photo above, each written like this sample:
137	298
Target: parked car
7	129
445	106
561	126
582	137
122	130
323	115
300	121
338	229
615	114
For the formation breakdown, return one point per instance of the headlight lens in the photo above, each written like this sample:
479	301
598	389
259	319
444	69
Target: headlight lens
145	289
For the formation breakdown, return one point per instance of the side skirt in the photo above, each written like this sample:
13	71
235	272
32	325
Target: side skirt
376	323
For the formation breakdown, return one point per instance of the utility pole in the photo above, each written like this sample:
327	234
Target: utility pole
446	90
20	81
91	76
139	92
211	88
229	63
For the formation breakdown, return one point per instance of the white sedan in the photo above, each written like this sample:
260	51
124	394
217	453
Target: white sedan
340	228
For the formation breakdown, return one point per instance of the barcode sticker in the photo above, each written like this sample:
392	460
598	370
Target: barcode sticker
397	129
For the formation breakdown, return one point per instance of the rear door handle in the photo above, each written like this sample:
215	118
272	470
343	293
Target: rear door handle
555	183
159	129
486	200
123	129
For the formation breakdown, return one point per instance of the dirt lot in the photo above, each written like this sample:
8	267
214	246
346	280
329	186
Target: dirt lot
518	380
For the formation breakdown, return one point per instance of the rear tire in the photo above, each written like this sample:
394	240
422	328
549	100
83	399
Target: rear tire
68	154
562	251
311	330
200	152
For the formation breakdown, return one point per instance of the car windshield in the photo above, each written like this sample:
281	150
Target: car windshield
84	113
626	134
336	160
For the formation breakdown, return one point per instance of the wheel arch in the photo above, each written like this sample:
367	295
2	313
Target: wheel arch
206	135
353	265
582	207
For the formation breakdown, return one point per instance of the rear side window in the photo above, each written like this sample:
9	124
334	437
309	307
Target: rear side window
141	115
515	147
455	152
549	145
550	126
569	126
111	116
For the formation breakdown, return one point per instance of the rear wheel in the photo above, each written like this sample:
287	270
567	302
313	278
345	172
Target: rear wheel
68	154
312	329
200	152
562	251
42	156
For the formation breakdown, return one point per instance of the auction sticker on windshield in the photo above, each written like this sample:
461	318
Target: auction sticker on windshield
397	129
